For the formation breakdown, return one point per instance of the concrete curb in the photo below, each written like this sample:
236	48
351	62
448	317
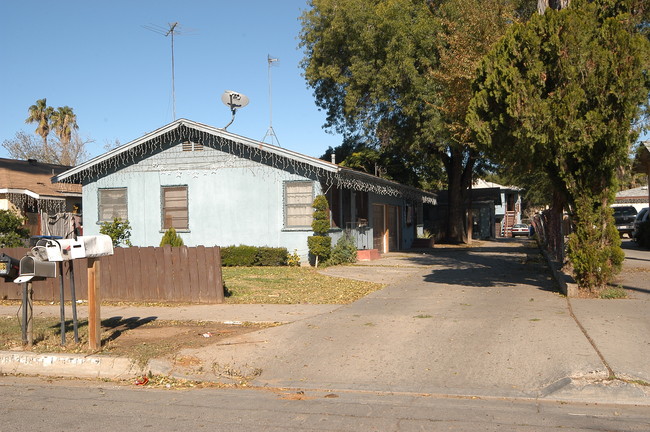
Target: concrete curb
567	286
67	365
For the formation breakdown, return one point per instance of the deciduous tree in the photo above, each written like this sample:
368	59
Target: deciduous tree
400	71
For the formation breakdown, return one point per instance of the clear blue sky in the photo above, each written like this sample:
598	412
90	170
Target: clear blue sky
96	57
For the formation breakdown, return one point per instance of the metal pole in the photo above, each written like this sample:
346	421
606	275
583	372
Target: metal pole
30	315
73	296
62	300
23	324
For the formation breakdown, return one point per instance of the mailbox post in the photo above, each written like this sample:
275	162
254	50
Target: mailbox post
41	262
95	247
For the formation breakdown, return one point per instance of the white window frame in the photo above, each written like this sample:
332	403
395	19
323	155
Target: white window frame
119	210
164	209
305	201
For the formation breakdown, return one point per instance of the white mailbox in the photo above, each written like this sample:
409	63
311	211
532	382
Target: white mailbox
97	245
63	249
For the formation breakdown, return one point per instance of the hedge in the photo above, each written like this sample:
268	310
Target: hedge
248	256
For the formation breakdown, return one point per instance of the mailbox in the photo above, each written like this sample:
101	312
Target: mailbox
97	245
62	249
33	268
9	267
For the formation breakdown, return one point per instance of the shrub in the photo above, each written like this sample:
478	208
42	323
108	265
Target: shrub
248	256
594	248
344	252
321	222
12	231
320	245
268	256
293	260
244	256
171	238
119	231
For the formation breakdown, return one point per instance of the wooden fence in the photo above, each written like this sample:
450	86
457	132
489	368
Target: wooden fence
161	274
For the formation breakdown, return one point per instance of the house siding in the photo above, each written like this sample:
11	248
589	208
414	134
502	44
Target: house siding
231	200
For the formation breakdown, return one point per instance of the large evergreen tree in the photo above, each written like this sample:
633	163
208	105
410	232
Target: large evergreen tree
400	71
560	96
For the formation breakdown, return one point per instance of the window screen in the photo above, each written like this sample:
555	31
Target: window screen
112	204
298	198
174	207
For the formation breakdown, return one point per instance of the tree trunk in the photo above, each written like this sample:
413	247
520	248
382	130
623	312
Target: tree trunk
542	5
459	178
555	236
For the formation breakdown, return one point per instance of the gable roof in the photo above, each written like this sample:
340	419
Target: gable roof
226	141
32	178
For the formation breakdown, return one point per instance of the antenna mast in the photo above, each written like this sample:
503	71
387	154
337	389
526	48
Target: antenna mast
270	132
172	29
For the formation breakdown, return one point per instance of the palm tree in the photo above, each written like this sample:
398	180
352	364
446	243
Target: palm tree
41	114
64	121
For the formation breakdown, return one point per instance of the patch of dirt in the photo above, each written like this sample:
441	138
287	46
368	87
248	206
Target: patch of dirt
166	338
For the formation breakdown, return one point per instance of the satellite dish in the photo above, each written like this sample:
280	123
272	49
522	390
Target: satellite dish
235	101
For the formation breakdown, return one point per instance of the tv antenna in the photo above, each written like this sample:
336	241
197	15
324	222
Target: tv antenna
171	30
270	132
235	101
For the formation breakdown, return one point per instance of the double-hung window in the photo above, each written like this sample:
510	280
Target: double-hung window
112	204
298	198
174	207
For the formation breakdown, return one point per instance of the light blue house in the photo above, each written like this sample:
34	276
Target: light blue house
218	188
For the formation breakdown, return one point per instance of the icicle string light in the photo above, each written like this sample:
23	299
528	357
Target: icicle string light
241	155
24	201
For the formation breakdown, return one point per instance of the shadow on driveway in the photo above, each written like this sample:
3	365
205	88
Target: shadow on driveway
500	263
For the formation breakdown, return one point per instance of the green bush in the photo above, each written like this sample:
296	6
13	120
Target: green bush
244	256
321	222
249	256
320	247
594	248
118	230
344	252
171	238
12	231
268	256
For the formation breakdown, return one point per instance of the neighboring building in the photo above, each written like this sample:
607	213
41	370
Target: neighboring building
507	209
495	209
636	197
218	188
26	189
642	166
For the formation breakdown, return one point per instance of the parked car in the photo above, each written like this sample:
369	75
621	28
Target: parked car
624	217
520	230
641	217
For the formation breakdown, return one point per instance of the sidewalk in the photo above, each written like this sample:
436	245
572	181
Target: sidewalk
484	321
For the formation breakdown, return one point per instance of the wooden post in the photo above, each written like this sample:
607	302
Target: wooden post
94	302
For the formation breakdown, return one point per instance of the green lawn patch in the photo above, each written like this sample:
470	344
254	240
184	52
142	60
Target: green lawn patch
290	285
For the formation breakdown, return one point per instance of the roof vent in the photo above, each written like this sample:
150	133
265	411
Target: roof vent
32	161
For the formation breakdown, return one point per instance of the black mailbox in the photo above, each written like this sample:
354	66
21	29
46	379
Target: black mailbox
9	267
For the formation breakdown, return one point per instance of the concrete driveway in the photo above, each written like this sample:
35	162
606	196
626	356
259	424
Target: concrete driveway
485	320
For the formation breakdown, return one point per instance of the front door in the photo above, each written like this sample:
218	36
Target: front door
385	227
